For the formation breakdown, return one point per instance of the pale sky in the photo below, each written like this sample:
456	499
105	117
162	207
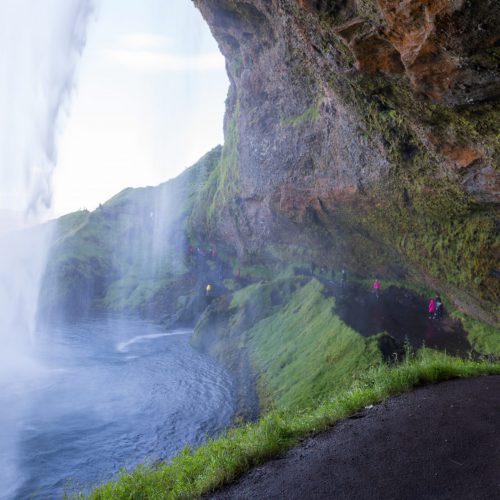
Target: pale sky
148	102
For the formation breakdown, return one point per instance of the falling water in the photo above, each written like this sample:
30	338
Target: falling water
40	44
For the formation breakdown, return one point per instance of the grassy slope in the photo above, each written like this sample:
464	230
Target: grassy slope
313	368
304	350
483	337
296	344
221	460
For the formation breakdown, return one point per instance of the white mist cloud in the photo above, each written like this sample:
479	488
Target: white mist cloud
155	53
144	41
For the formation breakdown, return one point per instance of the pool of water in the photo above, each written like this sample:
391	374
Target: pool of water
105	394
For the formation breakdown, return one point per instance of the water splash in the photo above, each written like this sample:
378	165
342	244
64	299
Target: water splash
40	44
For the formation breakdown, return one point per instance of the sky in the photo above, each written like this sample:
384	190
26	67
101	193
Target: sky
148	101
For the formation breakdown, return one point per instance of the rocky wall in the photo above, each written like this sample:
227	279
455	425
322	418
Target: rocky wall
364	134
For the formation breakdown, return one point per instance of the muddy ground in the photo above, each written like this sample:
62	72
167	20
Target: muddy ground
401	313
438	442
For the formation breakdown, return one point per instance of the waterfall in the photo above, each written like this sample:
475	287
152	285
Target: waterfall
40	44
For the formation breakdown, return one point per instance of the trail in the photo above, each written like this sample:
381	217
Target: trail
401	313
437	442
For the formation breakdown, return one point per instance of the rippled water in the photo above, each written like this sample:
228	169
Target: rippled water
107	394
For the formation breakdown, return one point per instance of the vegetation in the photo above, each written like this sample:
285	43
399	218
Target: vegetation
303	350
309	115
222	184
422	211
221	460
294	340
87	271
483	337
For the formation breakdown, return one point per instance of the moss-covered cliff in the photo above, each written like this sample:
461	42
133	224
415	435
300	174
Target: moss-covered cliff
363	134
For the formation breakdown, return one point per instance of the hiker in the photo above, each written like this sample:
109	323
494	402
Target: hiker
213	253
313	268
438	313
343	279
376	288
432	308
237	274
208	290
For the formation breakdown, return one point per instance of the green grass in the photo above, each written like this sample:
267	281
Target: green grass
87	270
483	337
222	184
222	460
294	340
304	349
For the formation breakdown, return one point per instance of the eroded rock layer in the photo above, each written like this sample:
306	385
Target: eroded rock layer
363	134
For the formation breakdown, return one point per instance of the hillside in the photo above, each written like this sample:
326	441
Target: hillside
359	135
129	255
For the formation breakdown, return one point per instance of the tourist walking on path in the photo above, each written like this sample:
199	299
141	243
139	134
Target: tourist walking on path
438	312
432	308
343	279
376	288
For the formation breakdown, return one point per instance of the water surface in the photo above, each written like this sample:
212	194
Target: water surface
108	393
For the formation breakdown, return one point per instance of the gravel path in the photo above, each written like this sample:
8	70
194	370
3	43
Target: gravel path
437	442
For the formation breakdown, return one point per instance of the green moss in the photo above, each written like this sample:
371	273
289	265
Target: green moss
295	342
420	209
222	184
311	114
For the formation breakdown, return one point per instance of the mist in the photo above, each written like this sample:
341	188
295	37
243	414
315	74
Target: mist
41	43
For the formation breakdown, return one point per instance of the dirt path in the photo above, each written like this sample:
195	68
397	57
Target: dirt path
438	442
402	314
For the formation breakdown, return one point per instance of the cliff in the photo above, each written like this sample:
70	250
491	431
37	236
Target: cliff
362	134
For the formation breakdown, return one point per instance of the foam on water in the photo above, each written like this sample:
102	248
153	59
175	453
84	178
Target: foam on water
123	346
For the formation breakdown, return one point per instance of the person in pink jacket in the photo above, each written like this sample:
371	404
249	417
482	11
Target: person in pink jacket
376	288
432	308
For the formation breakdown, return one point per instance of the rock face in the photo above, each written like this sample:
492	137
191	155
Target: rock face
363	133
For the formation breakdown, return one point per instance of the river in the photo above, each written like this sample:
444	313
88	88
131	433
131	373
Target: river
108	393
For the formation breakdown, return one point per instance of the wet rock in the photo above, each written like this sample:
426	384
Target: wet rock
340	107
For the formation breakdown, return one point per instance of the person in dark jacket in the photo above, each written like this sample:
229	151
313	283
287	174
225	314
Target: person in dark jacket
343	278
438	313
